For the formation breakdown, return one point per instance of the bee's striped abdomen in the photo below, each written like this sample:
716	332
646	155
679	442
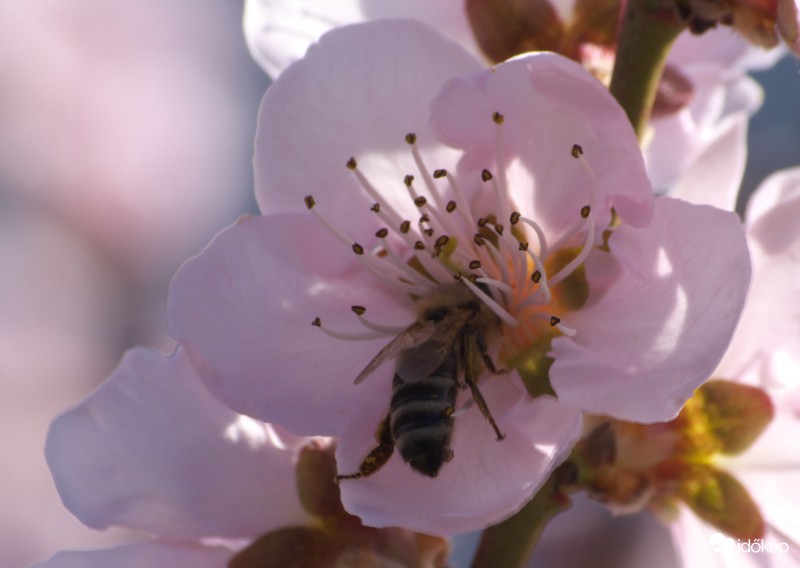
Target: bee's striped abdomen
421	417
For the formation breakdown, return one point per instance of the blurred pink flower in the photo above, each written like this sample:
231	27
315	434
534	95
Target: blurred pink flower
152	450
59	329
126	119
765	352
635	326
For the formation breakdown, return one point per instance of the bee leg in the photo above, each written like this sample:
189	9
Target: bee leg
483	350
379	455
472	337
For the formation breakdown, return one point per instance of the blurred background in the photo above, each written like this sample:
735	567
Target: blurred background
125	144
126	134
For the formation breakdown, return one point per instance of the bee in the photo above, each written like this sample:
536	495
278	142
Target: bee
443	351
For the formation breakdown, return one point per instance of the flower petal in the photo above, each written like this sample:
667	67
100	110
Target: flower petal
682	142
357	93
766	347
549	103
278	32
152	449
661	328
243	309
487	480
716	174
149	554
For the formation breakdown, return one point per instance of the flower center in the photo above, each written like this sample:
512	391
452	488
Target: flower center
504	257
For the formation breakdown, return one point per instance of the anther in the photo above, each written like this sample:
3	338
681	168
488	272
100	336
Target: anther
439	173
382	233
420	201
523	245
358	249
450	207
475	265
498	118
376	207
515	217
536	276
479	240
358	310
486	175
419	245
408	180
577	151
411	138
424	218
405	226
554	321
585	210
309	201
352	164
429	232
441	241
317	322
499	229
482	222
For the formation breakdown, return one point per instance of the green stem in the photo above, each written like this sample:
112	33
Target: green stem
649	28
510	544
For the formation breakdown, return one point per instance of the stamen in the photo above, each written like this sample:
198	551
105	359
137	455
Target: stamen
364	336
441	242
377	327
539	234
500	161
492	283
465	210
566	330
407	272
539	277
489	301
512	246
497	257
586	211
373	193
426	177
394	279
577	153
420	201
555	322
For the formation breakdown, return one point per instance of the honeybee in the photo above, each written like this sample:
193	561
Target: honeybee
443	351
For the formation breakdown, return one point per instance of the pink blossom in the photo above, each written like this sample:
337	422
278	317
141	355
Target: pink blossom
152	450
704	136
383	122
279	32
703	144
764	352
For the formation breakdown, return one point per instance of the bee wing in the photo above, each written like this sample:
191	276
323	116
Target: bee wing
421	361
415	334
